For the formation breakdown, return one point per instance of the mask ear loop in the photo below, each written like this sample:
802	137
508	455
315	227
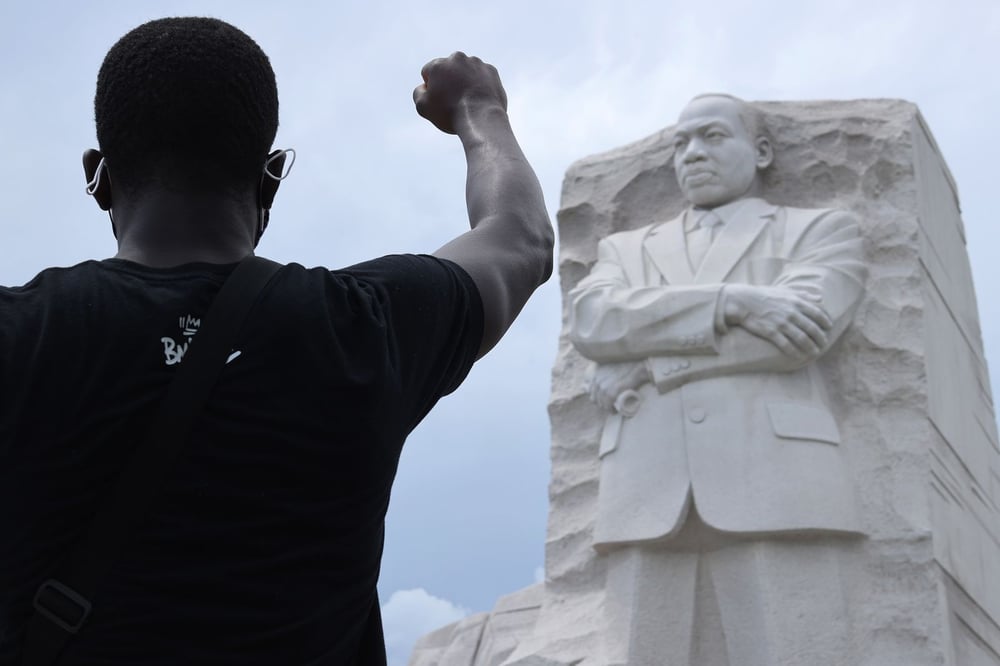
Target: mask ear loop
263	215
287	168
95	183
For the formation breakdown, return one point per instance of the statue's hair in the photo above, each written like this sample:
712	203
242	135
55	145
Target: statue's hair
752	116
186	101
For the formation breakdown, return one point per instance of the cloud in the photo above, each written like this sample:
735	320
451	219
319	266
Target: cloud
408	615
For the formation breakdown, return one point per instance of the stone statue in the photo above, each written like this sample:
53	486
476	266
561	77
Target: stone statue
723	494
786	461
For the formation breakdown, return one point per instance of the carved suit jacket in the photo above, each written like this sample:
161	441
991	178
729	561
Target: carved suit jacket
729	421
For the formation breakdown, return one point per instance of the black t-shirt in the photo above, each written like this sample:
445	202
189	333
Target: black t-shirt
264	546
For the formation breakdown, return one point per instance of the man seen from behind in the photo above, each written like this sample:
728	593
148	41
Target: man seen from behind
263	545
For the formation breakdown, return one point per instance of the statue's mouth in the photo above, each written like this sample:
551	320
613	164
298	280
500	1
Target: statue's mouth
699	177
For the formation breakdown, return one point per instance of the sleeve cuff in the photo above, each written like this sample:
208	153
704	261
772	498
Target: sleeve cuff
720	313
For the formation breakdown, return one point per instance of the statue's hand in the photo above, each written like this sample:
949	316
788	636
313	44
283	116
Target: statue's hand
611	379
455	85
792	321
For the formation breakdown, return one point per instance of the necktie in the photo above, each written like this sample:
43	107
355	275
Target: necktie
700	238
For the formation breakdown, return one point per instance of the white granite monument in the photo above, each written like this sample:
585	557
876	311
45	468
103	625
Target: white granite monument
773	440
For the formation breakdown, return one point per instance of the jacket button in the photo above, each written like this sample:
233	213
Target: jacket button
696	414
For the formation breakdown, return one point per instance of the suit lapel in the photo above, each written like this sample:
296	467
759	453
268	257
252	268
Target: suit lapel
667	250
739	232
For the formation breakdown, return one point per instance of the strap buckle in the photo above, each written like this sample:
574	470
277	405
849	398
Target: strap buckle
61	604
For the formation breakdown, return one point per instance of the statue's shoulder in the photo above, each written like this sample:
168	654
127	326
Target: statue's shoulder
800	219
634	237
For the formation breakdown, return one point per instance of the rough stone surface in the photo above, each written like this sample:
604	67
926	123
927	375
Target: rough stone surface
485	639
908	382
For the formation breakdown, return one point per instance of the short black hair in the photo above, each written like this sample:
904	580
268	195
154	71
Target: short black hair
189	102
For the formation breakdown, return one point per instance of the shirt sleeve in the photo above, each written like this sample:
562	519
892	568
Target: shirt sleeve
434	319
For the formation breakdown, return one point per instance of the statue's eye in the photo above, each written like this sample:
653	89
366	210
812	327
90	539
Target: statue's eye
715	135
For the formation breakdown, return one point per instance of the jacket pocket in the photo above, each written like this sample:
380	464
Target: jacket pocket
795	420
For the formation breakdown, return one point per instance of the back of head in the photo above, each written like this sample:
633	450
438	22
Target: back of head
186	103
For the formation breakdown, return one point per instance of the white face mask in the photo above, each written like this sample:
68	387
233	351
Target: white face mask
287	166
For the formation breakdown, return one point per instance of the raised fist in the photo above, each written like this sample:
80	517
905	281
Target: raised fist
454	85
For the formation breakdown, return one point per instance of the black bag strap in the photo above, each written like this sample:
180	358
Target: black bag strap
62	604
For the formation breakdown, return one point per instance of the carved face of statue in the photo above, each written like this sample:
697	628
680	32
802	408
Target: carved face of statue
715	155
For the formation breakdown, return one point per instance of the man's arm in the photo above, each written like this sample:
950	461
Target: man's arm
771	328
508	251
613	321
826	269
620	325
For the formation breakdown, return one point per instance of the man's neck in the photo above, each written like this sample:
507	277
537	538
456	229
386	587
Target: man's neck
163	229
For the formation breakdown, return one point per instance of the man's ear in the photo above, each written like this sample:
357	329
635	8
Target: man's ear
765	153
98	184
275	164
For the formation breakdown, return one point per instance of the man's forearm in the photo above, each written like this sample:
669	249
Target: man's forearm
501	185
508	251
610	324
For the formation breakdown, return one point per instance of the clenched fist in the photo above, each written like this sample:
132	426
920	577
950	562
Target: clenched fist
455	85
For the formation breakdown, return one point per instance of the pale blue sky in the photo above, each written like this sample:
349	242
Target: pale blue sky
467	520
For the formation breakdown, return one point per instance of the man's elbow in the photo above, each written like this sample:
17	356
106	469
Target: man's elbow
548	243
540	247
587	348
593	343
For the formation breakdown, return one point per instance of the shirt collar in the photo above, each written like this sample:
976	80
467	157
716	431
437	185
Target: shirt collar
725	212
